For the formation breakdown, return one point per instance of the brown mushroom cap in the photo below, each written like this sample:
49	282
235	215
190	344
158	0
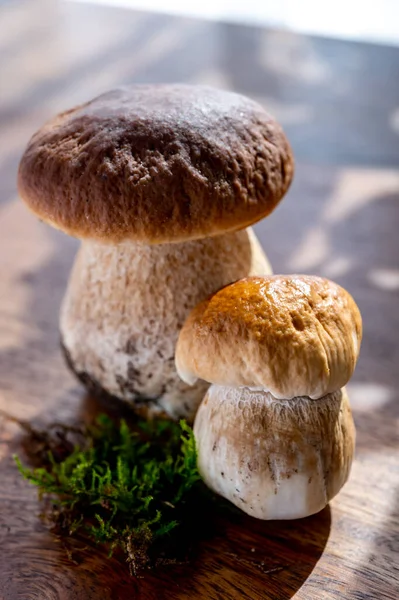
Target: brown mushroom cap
157	163
293	335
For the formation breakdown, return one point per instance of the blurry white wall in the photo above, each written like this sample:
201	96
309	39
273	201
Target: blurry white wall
367	20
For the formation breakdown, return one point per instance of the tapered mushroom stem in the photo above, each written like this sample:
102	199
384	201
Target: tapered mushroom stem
126	303
274	459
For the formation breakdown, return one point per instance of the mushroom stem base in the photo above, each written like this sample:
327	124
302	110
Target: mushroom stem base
125	305
274	459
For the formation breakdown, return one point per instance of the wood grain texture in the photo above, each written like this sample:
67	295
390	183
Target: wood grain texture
338	103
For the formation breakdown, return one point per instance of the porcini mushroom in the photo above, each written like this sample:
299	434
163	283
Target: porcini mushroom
159	183
274	433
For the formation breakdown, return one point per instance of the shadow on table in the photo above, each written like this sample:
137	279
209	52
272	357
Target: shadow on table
377	576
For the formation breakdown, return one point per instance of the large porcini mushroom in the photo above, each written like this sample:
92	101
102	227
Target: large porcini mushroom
275	433
159	183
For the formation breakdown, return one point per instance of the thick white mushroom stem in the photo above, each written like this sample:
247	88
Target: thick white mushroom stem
125	305
274	459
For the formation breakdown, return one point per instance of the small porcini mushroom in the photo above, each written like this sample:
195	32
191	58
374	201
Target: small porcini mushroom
274	433
159	183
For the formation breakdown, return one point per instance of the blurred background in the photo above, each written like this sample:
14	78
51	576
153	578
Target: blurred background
364	20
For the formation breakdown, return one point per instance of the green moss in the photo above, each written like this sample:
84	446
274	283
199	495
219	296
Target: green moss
133	490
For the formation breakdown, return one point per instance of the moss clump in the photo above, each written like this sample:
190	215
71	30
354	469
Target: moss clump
133	490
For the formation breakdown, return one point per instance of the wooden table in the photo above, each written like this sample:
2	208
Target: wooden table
339	103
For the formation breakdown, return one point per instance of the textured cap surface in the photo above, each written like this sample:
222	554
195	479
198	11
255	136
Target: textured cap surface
157	163
294	335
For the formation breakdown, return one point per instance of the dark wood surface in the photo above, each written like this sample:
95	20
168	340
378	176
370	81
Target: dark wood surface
339	103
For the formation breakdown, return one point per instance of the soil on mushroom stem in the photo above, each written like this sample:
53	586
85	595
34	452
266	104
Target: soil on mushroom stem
134	488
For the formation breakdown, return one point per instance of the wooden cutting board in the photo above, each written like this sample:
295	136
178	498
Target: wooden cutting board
340	219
